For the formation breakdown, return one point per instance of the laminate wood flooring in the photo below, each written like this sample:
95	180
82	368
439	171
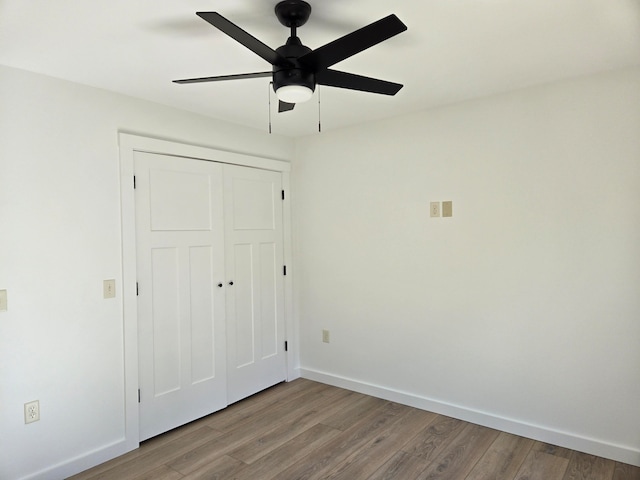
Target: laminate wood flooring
308	430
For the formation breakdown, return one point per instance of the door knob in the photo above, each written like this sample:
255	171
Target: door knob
220	285
231	282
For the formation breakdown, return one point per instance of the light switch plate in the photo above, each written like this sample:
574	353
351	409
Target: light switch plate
325	336
109	289
447	209
3	301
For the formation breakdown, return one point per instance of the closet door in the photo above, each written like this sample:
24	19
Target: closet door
181	308
255	284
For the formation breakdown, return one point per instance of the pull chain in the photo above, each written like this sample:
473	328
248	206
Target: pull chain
319	118
269	105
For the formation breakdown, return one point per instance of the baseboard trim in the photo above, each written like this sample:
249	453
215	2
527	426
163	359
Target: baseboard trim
82	462
294	374
591	446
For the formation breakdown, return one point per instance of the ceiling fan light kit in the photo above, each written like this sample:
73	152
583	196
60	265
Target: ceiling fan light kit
294	94
296	69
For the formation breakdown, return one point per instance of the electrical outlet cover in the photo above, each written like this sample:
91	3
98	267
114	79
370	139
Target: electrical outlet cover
434	208
32	411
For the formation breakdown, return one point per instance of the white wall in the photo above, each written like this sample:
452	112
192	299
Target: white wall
523	310
60	236
524	305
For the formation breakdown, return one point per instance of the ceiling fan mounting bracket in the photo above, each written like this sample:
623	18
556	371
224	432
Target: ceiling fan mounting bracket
293	13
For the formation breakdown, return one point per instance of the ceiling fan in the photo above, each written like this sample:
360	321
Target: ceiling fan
296	68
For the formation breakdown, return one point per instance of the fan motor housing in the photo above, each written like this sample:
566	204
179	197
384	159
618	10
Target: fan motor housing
295	74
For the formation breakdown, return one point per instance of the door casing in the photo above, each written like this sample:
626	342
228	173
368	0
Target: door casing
129	144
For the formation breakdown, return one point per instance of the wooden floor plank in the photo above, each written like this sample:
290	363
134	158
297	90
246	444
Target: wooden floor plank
264	421
465	450
304	445
161	473
245	411
400	466
366	460
317	464
357	407
552	450
434	438
589	467
198	457
622	471
222	468
289	427
503	458
542	466
250	431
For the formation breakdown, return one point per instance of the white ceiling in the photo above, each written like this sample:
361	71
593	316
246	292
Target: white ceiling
453	50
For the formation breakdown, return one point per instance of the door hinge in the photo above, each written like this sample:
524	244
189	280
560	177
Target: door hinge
284	270
138	395
137	290
283	194
286	346
134	182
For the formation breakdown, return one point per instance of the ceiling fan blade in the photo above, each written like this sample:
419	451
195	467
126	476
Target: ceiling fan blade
352	43
246	39
225	77
335	78
284	106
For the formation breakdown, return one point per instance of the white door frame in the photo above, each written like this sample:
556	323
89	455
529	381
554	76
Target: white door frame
129	144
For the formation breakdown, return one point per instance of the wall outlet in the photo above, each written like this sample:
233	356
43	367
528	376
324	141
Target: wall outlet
325	336
434	209
109	288
32	411
3	300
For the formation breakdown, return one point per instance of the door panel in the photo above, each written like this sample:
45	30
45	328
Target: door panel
179	200
253	206
254	262
242	324
181	310
166	321
203	360
268	300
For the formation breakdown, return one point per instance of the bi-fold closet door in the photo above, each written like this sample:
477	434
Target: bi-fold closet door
209	248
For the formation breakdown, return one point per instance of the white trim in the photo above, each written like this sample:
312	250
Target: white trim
80	463
292	334
295	374
591	446
130	143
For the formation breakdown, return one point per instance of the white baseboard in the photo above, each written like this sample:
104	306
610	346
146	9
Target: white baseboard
591	446
82	462
294	373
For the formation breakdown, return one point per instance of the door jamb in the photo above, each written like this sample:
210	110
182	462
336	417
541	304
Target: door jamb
128	145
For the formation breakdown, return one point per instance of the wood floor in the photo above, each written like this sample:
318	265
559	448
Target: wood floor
307	430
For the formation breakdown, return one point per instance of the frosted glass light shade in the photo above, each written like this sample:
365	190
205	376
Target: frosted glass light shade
294	93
